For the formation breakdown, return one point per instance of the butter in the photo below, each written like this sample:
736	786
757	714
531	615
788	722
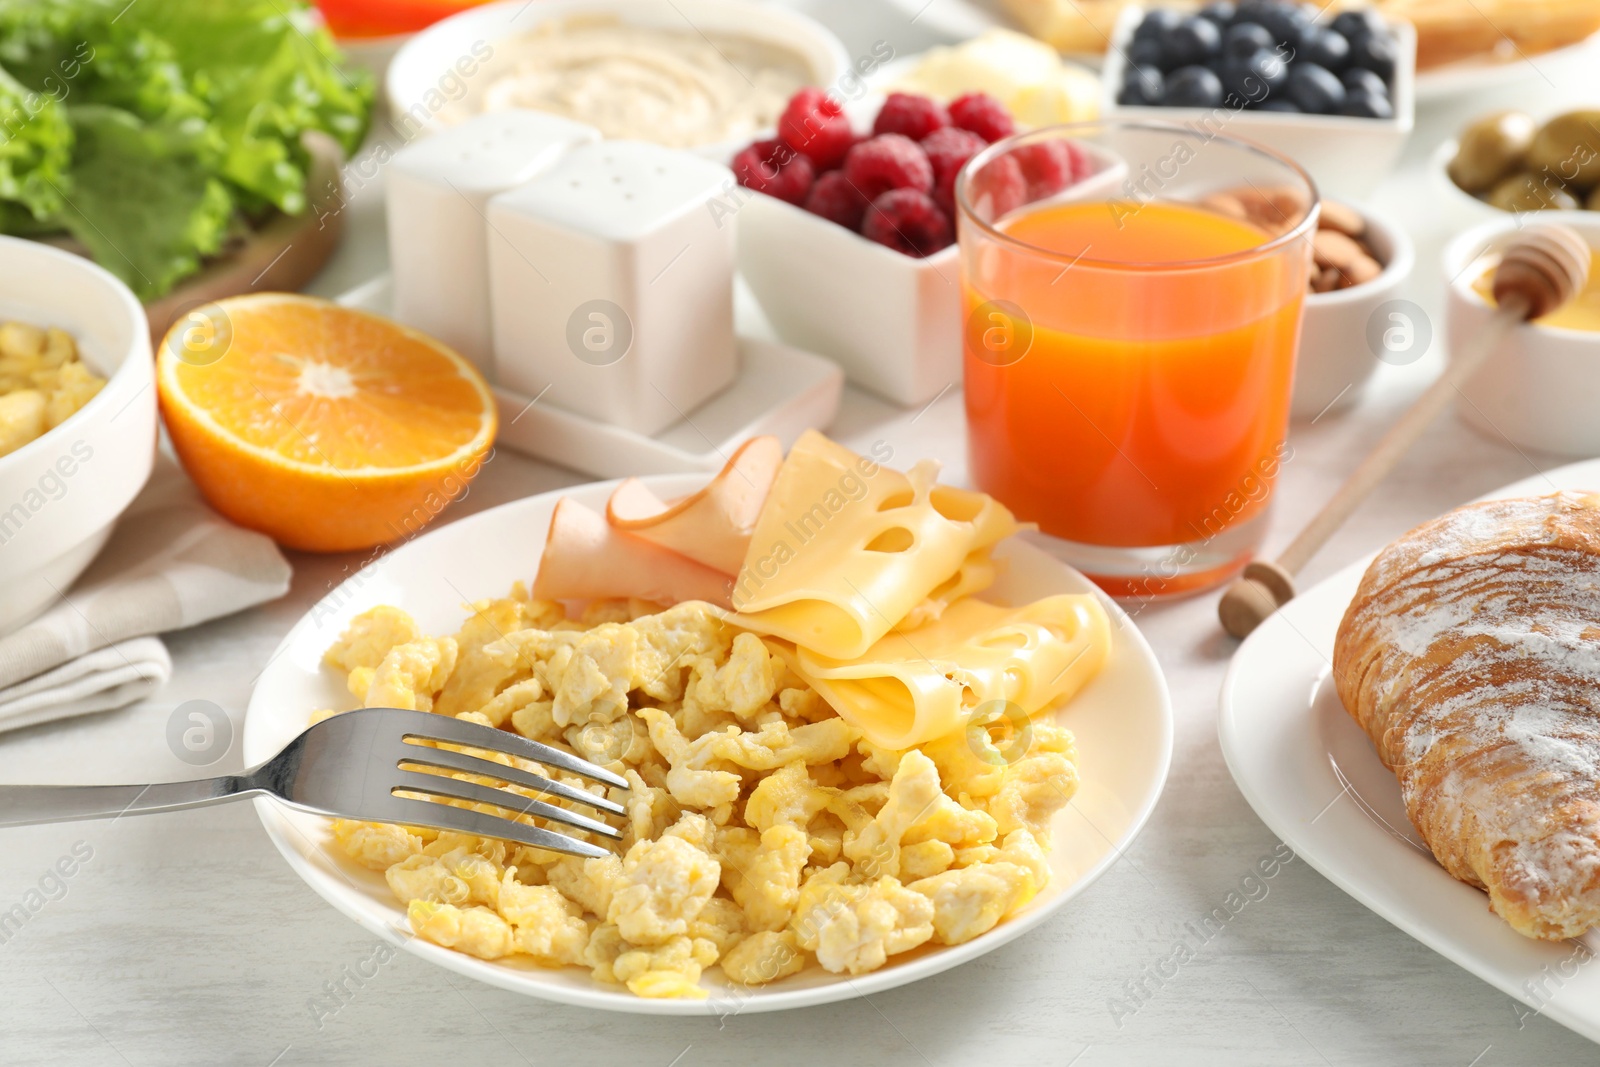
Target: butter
1034	83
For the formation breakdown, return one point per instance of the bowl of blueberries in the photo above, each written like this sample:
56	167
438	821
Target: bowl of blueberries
1334	94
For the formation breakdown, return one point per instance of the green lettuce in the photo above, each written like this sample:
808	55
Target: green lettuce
157	126
183	212
35	154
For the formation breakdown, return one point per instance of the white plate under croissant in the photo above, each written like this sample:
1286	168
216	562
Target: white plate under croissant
1312	775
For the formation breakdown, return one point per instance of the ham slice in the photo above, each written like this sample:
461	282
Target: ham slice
712	526
584	558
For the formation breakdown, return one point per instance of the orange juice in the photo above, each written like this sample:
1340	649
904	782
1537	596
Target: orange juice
1150	406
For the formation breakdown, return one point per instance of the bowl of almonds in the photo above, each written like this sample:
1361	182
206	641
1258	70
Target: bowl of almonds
1360	261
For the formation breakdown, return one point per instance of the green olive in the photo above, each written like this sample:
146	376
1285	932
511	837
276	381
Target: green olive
1568	146
1491	148
1527	190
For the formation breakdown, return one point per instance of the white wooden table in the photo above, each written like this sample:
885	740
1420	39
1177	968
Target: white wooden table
185	940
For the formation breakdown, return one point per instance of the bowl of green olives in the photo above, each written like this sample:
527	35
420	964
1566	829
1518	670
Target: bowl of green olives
1510	162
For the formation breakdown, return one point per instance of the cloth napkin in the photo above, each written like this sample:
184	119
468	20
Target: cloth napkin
171	562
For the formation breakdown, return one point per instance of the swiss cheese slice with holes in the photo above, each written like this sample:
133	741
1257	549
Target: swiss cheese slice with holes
846	548
921	684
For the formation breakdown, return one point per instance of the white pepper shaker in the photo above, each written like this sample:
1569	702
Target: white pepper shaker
438	193
612	284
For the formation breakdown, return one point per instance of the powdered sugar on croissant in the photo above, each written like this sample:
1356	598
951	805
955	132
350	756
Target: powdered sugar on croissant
1471	656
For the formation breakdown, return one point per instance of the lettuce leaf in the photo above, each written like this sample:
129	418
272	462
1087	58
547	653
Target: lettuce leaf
270	74
154	126
35	152
183	209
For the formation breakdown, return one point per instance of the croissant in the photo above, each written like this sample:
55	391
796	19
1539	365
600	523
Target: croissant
1471	657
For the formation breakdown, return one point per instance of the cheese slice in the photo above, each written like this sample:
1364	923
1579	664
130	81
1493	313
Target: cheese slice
921	684
712	526
846	549
584	558
977	573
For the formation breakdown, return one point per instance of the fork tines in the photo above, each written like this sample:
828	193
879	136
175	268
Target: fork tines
411	783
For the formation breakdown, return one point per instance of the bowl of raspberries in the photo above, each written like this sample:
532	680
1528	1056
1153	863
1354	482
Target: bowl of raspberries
893	184
847	229
1335	92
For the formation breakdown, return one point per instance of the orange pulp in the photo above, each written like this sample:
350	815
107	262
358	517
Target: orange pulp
1151	405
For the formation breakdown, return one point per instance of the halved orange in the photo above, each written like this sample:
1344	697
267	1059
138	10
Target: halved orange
327	428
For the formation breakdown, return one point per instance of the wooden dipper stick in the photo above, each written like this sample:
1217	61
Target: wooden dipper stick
1542	268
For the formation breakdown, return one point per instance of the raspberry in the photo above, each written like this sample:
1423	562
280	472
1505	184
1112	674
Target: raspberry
998	188
983	115
835	199
815	125
907	221
948	150
888	161
774	168
1049	167
911	116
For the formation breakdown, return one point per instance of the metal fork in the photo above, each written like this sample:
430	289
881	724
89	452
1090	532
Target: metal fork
355	766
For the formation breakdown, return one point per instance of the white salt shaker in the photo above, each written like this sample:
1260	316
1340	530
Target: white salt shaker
612	284
438	193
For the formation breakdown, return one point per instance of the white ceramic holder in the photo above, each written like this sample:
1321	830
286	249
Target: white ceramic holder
612	284
780	390
438	195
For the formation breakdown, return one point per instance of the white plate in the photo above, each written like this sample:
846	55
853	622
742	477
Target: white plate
780	390
1468	77
1312	775
1122	720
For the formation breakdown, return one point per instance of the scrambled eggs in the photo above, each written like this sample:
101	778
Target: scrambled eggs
42	382
763	832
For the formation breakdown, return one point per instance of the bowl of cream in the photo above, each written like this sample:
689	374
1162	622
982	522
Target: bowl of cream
705	75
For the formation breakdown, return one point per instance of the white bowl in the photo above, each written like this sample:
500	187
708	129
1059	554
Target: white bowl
1459	208
61	494
1541	388
892	321
1335	359
1346	156
438	63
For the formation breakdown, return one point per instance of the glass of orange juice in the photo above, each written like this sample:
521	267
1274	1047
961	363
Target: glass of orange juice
1132	310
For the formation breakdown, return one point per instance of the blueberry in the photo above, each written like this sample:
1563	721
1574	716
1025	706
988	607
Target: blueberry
1142	87
1283	21
1314	89
1359	78
1157	24
1194	42
1278	103
1375	52
1324	47
1146	53
1219	11
1193	86
1271	68
1365	104
1353	24
1245	39
1256	79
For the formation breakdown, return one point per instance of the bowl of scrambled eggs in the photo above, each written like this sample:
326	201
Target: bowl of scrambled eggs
775	854
77	418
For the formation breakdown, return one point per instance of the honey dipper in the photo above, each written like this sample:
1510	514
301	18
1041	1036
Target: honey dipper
1542	268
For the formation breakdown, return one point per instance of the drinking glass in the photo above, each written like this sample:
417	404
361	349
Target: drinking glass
1133	295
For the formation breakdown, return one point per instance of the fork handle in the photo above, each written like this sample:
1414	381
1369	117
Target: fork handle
28	805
